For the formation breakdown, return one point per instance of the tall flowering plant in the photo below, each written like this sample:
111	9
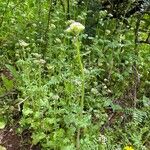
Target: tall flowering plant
76	28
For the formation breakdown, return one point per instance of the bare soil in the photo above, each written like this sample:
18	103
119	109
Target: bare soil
13	141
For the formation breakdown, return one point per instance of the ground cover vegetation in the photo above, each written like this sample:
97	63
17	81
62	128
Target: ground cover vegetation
75	74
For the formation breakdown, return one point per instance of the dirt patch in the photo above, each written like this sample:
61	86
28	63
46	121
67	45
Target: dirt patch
12	141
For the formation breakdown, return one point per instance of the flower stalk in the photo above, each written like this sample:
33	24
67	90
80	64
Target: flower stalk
76	28
79	59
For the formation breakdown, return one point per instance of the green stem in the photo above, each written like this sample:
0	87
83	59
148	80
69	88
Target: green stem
79	59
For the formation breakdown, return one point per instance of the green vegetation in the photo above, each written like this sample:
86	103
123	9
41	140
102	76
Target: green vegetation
75	88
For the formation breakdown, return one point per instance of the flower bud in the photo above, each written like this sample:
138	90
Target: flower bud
75	28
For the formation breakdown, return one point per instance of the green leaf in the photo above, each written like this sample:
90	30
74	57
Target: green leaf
37	137
2	91
2	123
69	147
27	111
8	84
13	71
146	101
2	148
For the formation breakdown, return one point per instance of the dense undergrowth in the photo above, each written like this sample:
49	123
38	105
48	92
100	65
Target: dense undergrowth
88	90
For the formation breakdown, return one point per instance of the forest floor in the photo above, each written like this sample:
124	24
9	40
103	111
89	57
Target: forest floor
10	140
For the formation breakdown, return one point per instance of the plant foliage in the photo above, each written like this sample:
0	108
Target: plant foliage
77	90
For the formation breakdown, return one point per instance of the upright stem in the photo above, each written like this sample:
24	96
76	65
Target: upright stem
79	59
46	37
135	68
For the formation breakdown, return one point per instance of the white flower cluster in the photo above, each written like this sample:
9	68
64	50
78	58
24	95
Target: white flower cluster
102	139
75	28
23	43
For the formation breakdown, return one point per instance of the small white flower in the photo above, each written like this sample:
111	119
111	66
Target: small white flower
86	71
77	82
94	91
118	148
55	97
102	139
110	15
36	62
23	43
108	32
52	26
105	87
105	80
34	25
75	28
57	40
36	55
109	91
42	61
